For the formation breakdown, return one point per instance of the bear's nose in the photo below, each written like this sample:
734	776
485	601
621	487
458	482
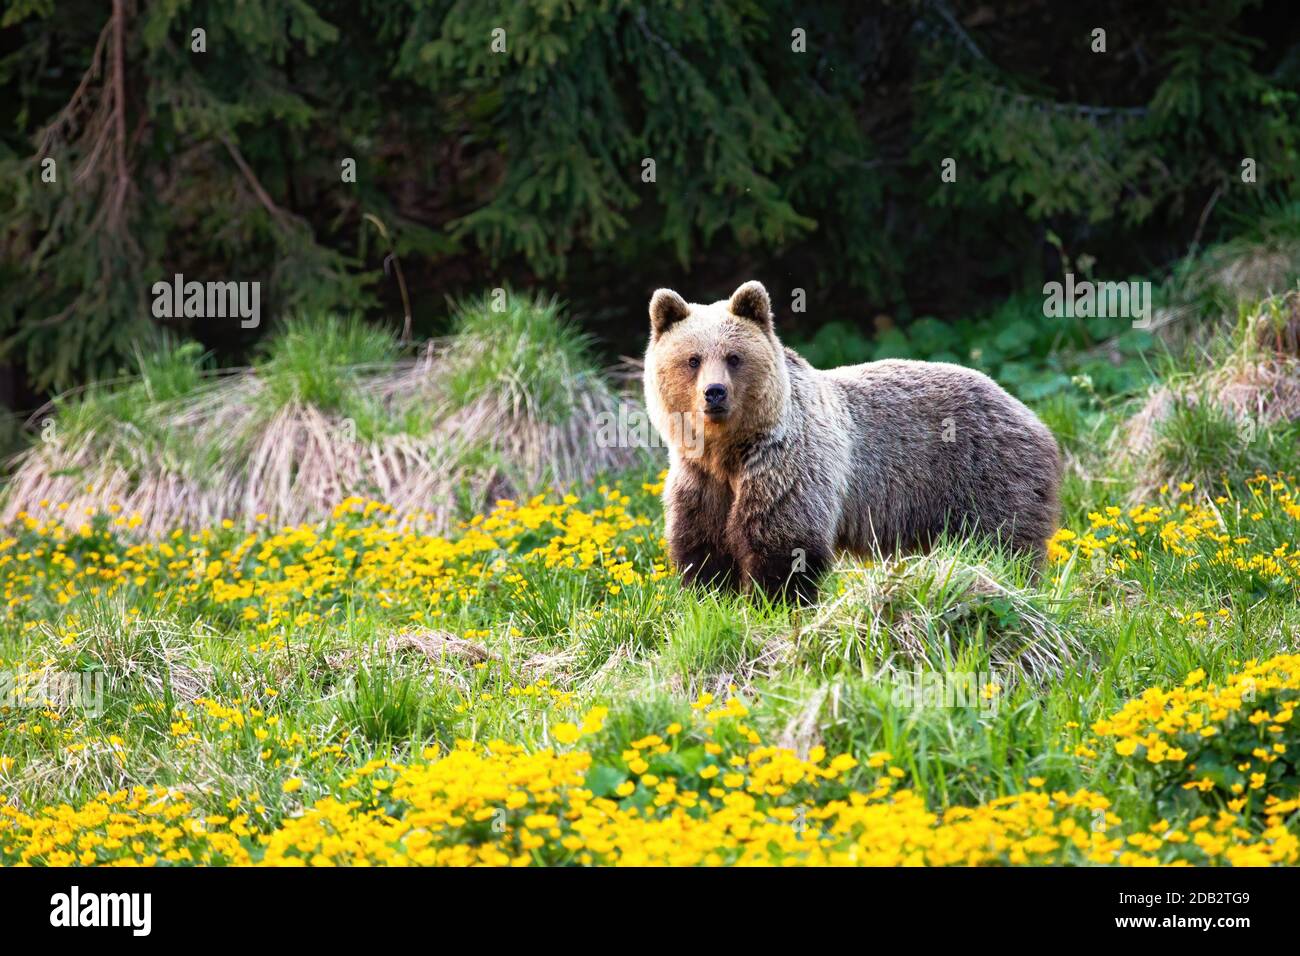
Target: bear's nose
715	394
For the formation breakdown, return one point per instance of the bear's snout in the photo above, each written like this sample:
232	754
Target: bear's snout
715	400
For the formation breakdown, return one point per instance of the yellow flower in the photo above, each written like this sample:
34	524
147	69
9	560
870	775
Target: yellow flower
594	719
566	733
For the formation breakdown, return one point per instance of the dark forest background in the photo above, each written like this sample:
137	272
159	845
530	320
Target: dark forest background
817	170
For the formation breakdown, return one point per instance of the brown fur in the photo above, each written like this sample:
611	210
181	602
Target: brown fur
871	458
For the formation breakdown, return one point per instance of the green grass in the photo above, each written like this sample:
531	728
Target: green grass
973	673
1205	444
646	654
318	360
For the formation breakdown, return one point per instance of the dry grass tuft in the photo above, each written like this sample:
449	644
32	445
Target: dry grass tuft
935	610
1223	280
1252	272
437	646
1255	387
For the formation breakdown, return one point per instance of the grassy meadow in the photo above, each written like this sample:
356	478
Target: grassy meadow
361	605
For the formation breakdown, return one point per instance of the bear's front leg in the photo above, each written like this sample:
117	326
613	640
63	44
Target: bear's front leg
695	516
782	553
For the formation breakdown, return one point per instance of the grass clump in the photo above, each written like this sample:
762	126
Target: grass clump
323	361
1238	415
958	606
520	353
387	703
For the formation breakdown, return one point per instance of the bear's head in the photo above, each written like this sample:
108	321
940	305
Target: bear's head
714	372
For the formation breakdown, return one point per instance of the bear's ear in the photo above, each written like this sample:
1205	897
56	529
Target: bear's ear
750	301
666	308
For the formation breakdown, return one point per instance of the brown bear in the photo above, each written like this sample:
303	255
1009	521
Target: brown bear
776	465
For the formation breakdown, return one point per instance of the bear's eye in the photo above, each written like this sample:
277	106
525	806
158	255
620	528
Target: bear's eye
733	360
694	361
